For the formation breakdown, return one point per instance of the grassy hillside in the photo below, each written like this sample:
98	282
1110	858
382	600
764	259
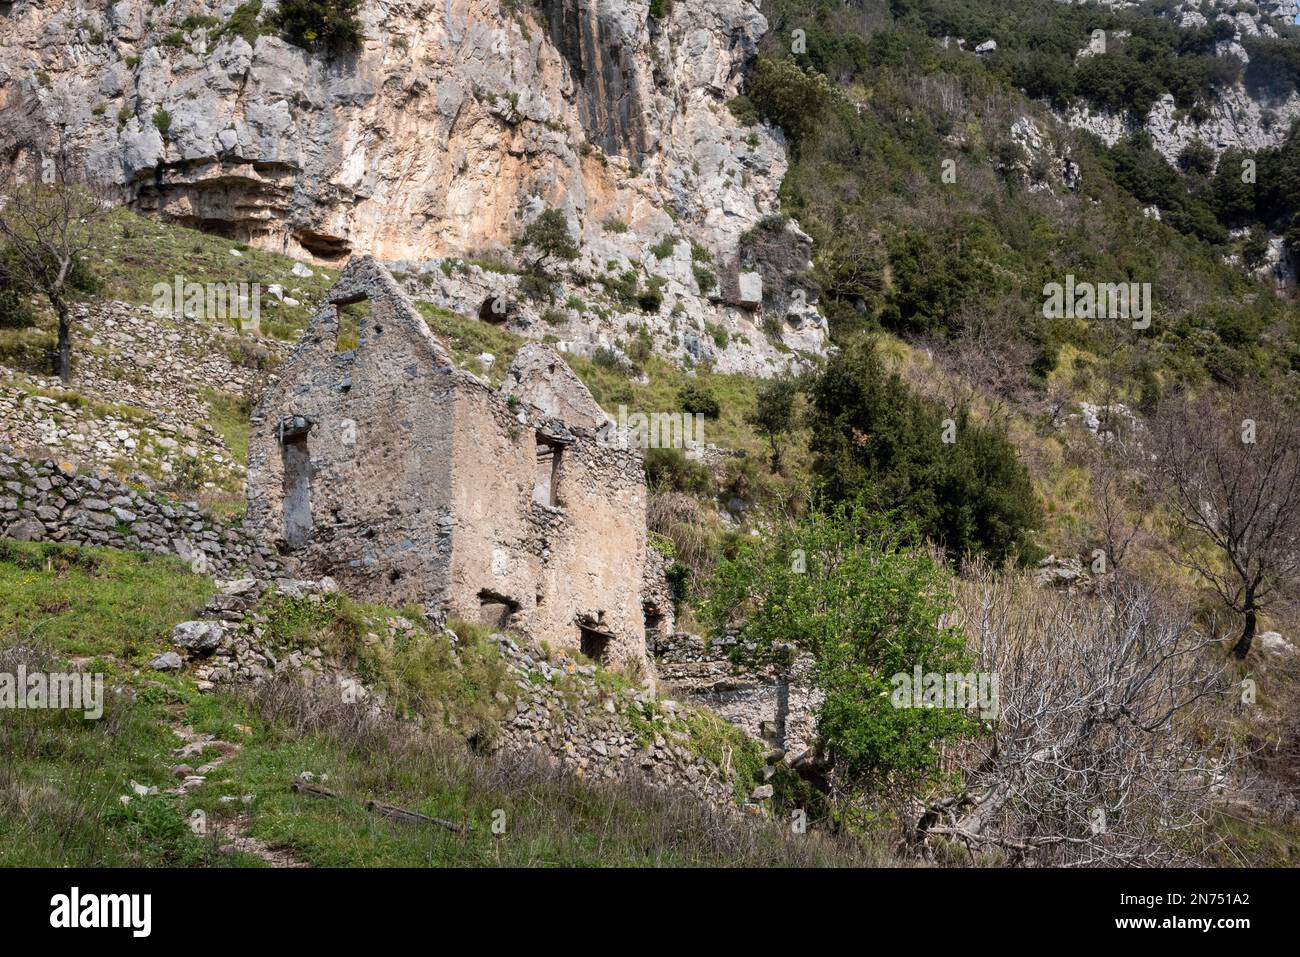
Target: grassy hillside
62	782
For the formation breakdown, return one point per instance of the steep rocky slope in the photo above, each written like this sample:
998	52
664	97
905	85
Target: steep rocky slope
453	125
433	138
1241	117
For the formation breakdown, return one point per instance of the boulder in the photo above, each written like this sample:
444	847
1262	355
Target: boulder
26	530
198	637
749	290
1274	643
167	661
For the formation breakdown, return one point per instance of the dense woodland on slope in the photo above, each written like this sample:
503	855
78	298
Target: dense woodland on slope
872	117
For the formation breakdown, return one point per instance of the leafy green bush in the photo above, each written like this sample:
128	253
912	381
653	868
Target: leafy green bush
960	482
789	96
664	248
743	109
162	121
14	311
197	21
651	298
843	588
698	399
704	278
671	470
332	25
244	22
548	238
774	415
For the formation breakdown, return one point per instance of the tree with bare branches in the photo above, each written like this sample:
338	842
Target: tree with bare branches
1093	759
47	229
1230	473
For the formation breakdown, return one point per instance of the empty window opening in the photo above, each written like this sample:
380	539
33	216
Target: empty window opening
595	644
546	487
297	488
654	628
350	320
495	610
653	623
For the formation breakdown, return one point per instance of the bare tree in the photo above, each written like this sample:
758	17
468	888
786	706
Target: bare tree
1090	760
47	228
990	355
1230	473
1117	497
1120	498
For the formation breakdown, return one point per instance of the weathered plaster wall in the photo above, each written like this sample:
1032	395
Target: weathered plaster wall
379	442
422	480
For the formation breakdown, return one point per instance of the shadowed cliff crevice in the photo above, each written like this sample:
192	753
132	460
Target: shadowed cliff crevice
605	72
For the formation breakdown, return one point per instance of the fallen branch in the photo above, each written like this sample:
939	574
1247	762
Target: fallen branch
383	810
411	817
311	790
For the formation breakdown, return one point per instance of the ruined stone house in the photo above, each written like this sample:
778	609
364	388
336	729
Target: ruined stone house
377	461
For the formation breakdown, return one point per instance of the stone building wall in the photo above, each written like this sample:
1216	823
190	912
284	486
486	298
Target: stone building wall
657	599
375	425
409	480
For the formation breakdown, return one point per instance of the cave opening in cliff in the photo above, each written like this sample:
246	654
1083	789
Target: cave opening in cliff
322	245
495	309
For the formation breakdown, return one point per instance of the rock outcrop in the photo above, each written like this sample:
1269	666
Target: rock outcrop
1240	117
454	124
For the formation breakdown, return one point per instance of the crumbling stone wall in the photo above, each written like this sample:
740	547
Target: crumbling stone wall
46	500
374	424
412	481
657	599
780	710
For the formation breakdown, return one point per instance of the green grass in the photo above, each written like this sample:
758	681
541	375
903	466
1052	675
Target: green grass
77	400
133	253
417	671
92	601
737	395
467	338
546	818
725	745
1253	843
229	414
63	776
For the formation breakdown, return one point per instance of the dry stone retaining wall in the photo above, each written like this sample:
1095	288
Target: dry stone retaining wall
46	500
779	712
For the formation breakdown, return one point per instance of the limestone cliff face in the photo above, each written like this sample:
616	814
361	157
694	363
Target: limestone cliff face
436	137
454	125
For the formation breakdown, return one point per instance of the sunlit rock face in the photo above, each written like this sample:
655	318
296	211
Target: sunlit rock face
436	136
453	125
